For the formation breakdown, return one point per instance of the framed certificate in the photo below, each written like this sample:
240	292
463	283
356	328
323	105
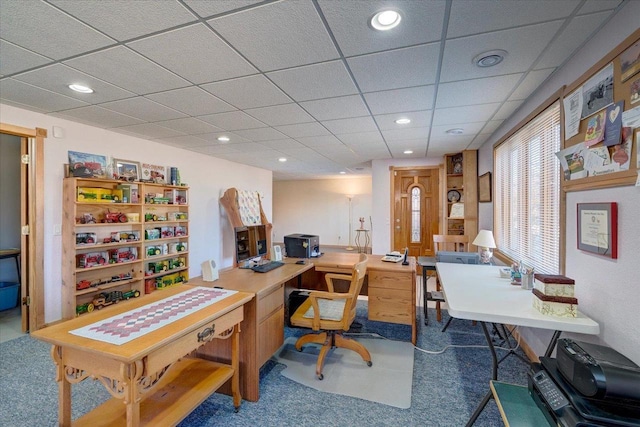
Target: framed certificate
598	228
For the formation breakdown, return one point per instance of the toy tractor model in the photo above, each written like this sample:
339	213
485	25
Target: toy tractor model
83	284
84	308
87	219
133	293
111	217
104	299
153	250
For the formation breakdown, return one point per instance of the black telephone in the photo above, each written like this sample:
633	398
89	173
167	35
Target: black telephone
405	261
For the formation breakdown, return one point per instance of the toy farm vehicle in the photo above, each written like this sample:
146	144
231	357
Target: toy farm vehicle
114	217
104	299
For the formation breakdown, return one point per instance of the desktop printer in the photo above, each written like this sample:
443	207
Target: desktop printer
586	385
302	245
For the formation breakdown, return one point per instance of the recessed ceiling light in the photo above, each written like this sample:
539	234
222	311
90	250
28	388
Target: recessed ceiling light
455	131
282	159
408	151
385	20
490	58
81	88
223	138
342	172
403	121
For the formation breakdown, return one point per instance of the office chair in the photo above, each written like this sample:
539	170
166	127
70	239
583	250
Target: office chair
332	313
443	242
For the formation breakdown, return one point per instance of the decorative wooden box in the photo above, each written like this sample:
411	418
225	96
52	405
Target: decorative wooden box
554	305
554	285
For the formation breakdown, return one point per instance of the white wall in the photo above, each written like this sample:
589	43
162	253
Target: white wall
607	290
208	177
321	207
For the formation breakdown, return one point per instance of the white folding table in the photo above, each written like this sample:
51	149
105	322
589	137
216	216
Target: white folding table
477	292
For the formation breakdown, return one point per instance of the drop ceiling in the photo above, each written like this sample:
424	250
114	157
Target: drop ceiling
305	80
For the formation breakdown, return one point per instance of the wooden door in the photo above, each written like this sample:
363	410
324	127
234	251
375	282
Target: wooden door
415	209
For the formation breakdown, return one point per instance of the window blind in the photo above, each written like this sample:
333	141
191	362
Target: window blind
527	193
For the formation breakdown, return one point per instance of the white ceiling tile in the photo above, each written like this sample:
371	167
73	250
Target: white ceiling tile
195	53
191	100
396	69
469	129
124	20
215	150
361	138
98	116
150	130
572	36
523	46
598	5
450	140
233	120
490	127
478	91
471	113
207	9
303	129
474	17
400	100
58	77
313	141
128	70
248	92
269	43
418	119
316	81
261	134
45	100
421	23
143	109
282	144
28	24
16	59
213	138
351	125
507	109
189	126
277	115
402	134
336	108
530	83
187	141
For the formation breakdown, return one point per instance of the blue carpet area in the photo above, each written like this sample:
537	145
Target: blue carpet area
446	387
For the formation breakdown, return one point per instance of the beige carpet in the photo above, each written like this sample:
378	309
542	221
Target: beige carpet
388	381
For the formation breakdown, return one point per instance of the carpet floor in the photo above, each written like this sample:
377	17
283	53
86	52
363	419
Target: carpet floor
446	387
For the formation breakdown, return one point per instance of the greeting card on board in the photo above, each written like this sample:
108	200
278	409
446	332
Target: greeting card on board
613	126
595	129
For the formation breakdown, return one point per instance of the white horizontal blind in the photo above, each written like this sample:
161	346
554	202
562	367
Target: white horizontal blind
527	193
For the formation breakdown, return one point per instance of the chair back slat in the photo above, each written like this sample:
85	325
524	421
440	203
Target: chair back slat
456	243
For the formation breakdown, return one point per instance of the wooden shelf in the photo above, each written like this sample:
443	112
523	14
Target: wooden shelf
464	183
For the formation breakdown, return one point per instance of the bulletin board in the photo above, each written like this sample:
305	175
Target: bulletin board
601	122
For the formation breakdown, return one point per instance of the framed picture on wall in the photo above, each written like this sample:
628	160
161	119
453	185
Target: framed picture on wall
484	187
598	228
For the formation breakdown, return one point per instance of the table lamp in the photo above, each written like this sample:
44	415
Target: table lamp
485	240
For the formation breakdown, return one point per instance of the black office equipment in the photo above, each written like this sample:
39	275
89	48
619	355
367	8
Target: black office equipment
405	258
266	267
458	257
565	406
302	245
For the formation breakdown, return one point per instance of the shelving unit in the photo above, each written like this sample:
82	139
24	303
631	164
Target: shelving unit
106	245
96	258
461	194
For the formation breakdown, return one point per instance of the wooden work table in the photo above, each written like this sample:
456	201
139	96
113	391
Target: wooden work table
150	379
391	290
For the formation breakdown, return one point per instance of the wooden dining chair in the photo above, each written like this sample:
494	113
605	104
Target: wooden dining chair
445	242
330	314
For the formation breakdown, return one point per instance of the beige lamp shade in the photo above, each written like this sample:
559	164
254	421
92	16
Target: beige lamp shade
484	239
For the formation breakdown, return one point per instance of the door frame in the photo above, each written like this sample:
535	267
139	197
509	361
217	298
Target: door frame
32	246
392	169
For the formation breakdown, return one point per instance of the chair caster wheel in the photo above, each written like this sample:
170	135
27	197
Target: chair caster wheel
320	377
369	363
237	409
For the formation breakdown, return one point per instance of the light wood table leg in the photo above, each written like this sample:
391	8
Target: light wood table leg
235	363
132	372
64	388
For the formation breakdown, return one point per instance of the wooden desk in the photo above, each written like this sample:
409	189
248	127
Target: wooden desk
392	296
477	292
263	324
150	379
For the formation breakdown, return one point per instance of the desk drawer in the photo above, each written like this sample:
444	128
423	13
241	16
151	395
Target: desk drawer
391	280
391	306
189	342
270	303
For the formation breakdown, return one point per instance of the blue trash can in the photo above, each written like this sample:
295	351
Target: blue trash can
8	295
